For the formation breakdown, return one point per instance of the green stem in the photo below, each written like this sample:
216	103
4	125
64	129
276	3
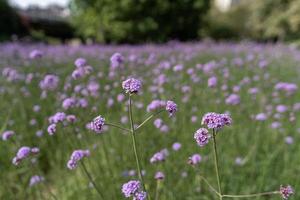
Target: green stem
157	190
117	126
148	118
132	130
91	179
209	185
217	163
251	195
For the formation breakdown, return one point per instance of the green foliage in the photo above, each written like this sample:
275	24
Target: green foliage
139	20
276	19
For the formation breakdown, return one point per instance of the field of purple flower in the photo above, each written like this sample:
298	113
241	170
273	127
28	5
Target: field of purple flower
158	122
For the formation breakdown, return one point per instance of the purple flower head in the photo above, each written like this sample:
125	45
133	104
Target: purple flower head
159	175
116	60
212	82
51	129
202	137
50	82
71	118
35	180
80	62
261	117
157	157
79	154
158	123
7	134
194	159
171	107
140	196
176	146
78	73
281	108
131	188
132	85
72	164
76	156
69	103
216	120
156	104
23	153
233	99
58	117
289	88
97	124
35	150
35	54
120	97
286	191
289	140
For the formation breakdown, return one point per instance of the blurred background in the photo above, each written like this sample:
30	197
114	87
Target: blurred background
143	21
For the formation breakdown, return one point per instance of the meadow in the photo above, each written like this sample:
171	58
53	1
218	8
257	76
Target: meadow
255	84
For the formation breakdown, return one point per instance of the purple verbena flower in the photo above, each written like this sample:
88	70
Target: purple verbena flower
131	188
116	60
156	104
171	107
132	85
80	62
140	196
286	191
76	156
202	136
51	129
97	124
159	175
216	120
194	159
35	180
7	134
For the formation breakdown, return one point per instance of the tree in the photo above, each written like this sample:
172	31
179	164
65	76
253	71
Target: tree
139	20
10	22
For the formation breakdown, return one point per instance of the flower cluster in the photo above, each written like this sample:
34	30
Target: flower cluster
194	159
35	180
171	107
155	105
82	68
216	120
35	54
97	124
133	189
159	156
76	156
286	87
132	85
202	136
7	134
286	191
116	60
49	82
23	153
59	117
159	175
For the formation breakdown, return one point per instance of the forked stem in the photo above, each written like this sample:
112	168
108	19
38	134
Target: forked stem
148	118
117	126
217	163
